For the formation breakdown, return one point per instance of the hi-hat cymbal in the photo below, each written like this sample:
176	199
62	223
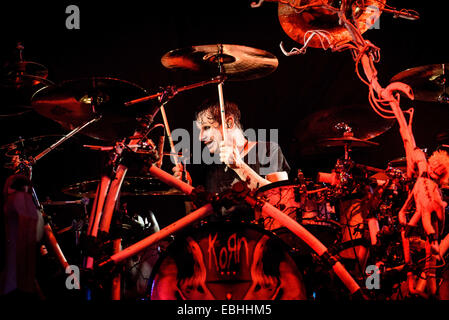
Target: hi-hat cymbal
347	141
75	102
429	83
18	82
300	18
25	148
24	73
330	124
28	146
399	163
238	62
132	186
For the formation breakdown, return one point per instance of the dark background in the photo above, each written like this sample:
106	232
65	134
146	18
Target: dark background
127	39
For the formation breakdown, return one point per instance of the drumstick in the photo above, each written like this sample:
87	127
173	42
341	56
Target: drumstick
220	93
222	110
170	140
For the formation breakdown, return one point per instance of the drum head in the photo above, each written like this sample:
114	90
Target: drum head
226	261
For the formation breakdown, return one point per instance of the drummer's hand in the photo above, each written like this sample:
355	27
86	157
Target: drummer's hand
230	155
181	174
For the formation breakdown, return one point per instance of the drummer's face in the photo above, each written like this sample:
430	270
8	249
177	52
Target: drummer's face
210	131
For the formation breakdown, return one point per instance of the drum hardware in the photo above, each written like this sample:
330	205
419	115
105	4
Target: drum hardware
24	168
415	156
164	96
240	192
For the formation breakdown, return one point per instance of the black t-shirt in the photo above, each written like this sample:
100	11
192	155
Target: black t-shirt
263	158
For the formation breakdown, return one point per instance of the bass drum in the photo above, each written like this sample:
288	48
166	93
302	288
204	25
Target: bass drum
227	261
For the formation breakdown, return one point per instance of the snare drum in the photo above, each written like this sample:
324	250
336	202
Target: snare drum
308	207
226	261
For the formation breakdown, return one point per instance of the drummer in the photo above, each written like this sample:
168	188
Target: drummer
256	162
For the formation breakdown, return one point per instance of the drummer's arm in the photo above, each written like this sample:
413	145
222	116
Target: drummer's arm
231	157
246	173
255	181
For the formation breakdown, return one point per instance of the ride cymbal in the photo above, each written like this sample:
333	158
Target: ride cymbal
238	62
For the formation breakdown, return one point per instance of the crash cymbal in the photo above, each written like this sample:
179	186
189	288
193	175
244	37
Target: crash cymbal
75	102
427	82
300	18
132	186
238	62
347	141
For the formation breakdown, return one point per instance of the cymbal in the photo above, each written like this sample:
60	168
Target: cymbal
27	147
238	62
132	186
399	163
299	22
329	123
14	111
427	82
350	141
18	82
75	102
24	73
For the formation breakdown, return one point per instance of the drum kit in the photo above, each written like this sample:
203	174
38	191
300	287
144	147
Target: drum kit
304	234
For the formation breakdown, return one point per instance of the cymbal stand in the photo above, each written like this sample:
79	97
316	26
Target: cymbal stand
106	199
26	167
425	193
174	90
166	94
64	138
